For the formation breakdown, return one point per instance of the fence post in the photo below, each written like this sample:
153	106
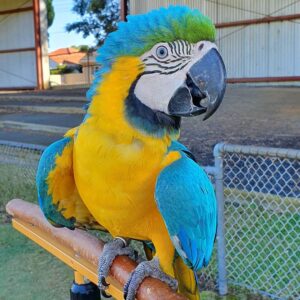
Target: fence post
222	274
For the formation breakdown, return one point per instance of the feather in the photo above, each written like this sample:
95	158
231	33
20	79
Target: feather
186	200
142	32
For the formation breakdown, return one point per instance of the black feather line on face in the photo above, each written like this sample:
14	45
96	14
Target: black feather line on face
171	47
164	67
166	62
167	72
184	48
177	49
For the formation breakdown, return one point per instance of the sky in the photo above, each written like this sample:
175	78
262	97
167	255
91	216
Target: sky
59	37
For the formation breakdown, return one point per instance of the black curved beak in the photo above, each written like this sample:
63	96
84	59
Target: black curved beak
203	90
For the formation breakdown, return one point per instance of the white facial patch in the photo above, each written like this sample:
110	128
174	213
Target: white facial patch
166	68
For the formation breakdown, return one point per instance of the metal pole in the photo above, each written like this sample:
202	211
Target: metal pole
88	64
123	10
221	255
82	289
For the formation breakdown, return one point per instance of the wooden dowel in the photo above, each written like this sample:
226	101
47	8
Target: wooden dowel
85	246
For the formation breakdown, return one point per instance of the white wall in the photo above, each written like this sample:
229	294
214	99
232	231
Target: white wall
55	80
17	31
18	69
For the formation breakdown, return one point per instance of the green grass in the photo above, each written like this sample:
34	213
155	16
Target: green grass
28	272
263	248
15	182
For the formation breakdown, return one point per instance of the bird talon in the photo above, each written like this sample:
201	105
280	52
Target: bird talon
143	270
103	281
111	250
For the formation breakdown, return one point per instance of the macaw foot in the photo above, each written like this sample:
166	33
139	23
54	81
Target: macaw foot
111	250
146	269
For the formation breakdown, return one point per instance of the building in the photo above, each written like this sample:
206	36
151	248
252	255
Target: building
75	60
23	45
89	66
70	57
258	39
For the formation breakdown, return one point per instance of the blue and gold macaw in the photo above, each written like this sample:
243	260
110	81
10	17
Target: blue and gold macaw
122	168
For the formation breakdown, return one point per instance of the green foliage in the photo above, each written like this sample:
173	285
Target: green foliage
50	12
65	69
98	18
84	48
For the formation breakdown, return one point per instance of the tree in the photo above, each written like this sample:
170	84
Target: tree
84	48
50	12
99	17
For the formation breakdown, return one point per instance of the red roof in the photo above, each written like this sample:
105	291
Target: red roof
67	55
63	51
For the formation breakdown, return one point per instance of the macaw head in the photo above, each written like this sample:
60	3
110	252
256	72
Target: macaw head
182	73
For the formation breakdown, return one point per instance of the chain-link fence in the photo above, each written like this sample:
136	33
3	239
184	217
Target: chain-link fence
259	213
258	191
262	221
18	163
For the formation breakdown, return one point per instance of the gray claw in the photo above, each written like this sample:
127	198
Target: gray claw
110	251
103	281
147	269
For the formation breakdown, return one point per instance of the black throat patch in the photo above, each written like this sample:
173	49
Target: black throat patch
144	118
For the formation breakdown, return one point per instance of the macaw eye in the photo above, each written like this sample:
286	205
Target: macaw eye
162	52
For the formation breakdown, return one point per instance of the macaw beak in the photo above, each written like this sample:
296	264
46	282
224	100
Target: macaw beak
203	90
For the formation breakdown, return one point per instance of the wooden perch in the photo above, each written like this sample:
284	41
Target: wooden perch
81	251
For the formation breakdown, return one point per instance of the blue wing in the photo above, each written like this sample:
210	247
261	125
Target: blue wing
186	200
57	191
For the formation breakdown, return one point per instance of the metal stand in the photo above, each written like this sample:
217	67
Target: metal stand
82	290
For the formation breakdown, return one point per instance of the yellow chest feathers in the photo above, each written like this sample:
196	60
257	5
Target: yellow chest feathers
115	164
112	157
